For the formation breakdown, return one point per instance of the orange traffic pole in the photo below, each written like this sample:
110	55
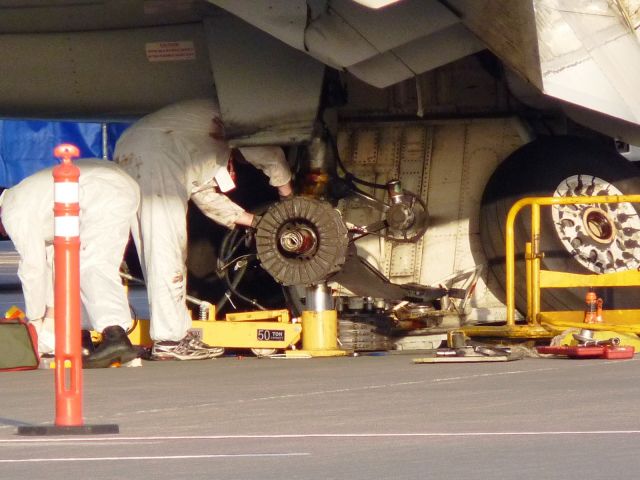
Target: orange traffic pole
66	247
68	353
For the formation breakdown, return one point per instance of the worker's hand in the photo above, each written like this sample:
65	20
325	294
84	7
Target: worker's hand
285	191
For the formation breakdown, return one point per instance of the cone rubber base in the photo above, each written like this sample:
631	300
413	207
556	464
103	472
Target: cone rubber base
45	430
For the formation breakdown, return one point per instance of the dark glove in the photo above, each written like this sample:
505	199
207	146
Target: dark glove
256	221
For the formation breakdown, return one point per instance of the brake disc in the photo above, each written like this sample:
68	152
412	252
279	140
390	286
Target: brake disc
301	241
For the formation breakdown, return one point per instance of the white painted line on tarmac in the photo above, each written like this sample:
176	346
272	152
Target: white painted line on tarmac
161	457
319	435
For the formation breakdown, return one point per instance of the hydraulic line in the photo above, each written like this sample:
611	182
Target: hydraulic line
228	247
202	304
348	175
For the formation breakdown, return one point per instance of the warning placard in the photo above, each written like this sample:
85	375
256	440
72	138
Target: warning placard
170	51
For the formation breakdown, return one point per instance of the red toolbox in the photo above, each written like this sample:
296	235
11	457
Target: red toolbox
600	351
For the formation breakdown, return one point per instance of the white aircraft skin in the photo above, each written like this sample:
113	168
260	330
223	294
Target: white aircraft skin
266	61
111	58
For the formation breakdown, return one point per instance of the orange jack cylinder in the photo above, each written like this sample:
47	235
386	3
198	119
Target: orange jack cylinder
66	244
593	312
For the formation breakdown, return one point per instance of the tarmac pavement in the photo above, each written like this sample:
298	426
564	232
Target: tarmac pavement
365	417
356	418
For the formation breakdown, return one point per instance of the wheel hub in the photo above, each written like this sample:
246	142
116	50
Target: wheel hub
298	239
601	237
598	225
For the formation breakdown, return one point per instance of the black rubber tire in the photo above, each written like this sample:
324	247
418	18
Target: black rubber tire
536	169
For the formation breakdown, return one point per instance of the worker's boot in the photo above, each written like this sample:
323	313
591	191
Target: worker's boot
114	348
87	343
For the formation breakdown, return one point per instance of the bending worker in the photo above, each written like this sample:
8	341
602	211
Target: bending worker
108	201
176	154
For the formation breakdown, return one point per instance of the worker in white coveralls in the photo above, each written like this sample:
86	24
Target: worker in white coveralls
108	202
176	154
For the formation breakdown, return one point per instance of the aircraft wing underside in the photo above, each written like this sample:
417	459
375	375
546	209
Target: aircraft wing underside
115	58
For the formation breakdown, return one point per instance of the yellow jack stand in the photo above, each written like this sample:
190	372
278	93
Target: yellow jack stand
319	326
319	335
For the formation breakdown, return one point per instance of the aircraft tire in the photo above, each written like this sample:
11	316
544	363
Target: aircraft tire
573	239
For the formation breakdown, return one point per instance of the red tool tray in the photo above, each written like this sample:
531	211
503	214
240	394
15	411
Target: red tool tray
602	351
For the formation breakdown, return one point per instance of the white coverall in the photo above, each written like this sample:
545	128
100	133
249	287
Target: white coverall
174	154
109	199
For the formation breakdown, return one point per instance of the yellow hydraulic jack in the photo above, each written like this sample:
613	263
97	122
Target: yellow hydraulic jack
548	324
266	333
319	325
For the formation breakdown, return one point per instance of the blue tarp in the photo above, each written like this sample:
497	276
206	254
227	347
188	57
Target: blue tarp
27	146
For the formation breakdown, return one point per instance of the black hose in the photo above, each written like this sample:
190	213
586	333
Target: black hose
348	175
232	288
228	247
224	256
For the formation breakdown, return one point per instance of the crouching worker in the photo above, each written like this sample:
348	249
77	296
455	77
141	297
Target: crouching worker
108	202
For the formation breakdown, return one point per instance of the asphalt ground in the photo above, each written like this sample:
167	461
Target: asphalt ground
365	417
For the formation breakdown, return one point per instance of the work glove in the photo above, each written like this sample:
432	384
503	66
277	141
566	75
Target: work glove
250	232
256	221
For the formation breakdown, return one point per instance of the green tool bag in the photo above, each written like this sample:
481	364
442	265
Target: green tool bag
18	345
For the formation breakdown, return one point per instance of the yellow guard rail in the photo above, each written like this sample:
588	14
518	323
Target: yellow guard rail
617	320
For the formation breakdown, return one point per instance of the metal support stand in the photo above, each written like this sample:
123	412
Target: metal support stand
319	325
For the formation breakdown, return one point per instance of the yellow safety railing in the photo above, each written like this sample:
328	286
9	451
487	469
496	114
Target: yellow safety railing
537	278
548	324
